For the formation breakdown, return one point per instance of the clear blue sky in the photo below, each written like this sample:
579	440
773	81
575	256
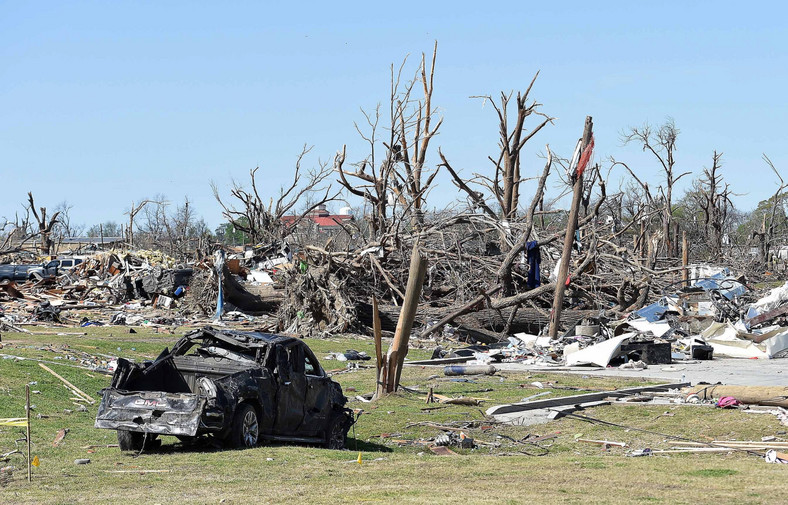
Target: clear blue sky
105	102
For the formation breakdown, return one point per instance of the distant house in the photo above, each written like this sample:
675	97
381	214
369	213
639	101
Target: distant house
324	220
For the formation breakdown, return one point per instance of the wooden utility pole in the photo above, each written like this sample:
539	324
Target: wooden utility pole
392	364
571	227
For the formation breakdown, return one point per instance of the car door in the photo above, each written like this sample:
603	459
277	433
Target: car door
317	408
51	268
291	390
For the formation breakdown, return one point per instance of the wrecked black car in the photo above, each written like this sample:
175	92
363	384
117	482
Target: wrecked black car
239	386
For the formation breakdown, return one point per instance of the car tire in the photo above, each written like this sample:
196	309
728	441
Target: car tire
336	432
136	441
245	431
130	440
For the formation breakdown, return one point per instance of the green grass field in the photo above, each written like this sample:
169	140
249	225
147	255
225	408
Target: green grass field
396	463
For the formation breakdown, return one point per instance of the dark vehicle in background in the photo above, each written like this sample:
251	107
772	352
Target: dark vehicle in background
15	272
51	268
239	386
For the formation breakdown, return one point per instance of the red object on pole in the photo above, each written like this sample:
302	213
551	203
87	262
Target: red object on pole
584	157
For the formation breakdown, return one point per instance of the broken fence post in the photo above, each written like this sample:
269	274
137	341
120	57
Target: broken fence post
27	413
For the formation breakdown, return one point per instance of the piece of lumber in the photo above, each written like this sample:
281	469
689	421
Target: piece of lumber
768	316
67	383
692	450
602	442
378	336
442	451
137	471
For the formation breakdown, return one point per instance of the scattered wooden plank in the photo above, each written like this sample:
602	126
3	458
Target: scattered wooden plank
137	471
442	451
67	383
693	450
602	442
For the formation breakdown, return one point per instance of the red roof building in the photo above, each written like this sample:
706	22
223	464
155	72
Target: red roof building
324	220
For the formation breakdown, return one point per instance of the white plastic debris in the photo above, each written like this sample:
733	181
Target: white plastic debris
774	299
633	365
599	354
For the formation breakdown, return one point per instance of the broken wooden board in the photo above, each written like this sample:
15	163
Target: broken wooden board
442	451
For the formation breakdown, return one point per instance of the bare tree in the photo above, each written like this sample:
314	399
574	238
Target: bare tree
15	234
765	236
661	143
505	183
401	177
505	269
414	122
153	233
713	197
45	225
132	213
641	207
183	230
262	221
64	227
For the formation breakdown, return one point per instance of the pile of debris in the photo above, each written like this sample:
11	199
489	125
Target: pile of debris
716	314
115	280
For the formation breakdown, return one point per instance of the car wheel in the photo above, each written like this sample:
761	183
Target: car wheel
246	429
130	440
336	434
136	441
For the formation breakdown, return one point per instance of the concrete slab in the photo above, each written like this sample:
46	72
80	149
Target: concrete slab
739	372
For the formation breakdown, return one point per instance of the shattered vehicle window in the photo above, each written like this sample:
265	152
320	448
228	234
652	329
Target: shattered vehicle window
309	367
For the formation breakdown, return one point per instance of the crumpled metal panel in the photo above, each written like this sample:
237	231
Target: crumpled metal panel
727	286
653	312
151	412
